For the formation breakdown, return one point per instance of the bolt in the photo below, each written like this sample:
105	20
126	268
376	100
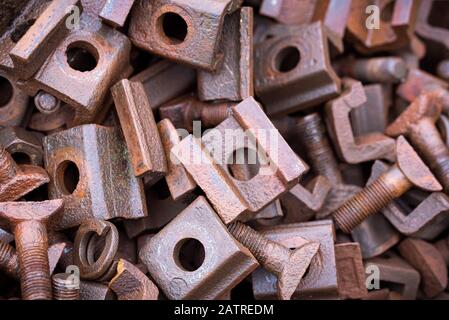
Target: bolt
182	112
65	287
417	122
9	262
288	265
408	171
28	221
46	103
374	70
18	180
313	135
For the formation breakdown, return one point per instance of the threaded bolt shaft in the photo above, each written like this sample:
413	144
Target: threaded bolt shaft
32	250
320	153
64	287
9	262
271	255
371	199
214	114
250	238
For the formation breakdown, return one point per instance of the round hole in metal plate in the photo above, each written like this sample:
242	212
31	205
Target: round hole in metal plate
21	158
67	177
189	254
82	56
287	59
174	27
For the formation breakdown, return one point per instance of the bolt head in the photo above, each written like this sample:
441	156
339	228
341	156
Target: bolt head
295	269
17	212
427	105
414	168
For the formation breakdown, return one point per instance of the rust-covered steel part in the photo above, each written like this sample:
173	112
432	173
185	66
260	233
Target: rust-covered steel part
418	82
425	258
9	261
373	70
350	148
160	213
23	145
396	273
65	287
132	284
417	122
350	270
396	24
140	131
90	155
285	79
373	115
91	290
28	221
103	267
179	181
375	236
164	81
312	132
333	13
198	26
233	80
13	102
408	171
180	278
78	66
115	12
302	202
152	149
288	265
232	198
321	279
186	109
18	180
431	23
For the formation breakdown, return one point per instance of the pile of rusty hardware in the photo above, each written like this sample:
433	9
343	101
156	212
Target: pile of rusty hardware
224	149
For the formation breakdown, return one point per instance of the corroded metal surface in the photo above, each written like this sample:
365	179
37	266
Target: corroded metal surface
234	198
90	156
350	148
199	25
285	79
140	131
201	223
321	279
234	79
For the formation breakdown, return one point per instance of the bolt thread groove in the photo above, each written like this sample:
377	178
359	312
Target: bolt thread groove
313	135
214	115
250	238
35	274
64	289
367	202
8	260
